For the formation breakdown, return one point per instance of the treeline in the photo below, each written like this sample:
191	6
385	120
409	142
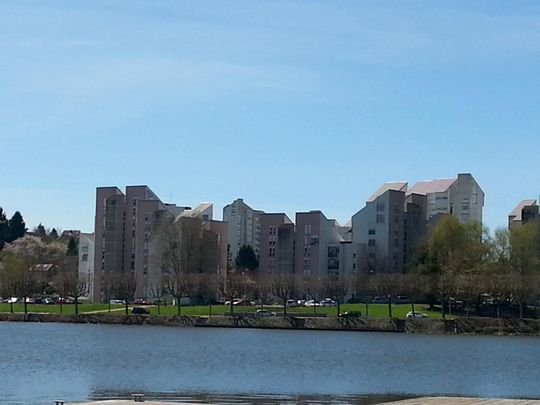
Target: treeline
32	266
11	229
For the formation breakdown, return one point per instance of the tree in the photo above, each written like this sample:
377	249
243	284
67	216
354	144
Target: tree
17	227
40	231
53	234
246	259
181	248
452	249
337	287
69	284
235	285
33	250
208	289
123	287
72	249
4	228
364	287
387	285
284	286
11	269
158	291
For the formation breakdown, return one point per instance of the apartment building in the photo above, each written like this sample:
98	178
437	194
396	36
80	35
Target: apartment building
525	211
380	228
314	234
415	227
243	227
277	236
86	261
461	197
124	226
128	232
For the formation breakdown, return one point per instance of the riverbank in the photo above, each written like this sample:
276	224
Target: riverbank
412	401
472	325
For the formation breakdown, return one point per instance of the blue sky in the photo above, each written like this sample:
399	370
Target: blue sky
292	105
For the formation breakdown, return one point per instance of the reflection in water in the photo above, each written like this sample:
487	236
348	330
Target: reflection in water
206	398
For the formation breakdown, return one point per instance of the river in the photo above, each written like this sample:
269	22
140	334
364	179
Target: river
40	362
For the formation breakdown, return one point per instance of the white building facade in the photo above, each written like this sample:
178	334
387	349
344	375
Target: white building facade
243	227
86	261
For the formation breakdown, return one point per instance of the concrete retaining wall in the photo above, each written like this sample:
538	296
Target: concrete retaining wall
485	326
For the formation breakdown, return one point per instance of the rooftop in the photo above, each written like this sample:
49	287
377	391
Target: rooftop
395	185
515	215
431	186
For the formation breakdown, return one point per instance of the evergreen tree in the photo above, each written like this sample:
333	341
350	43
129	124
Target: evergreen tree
72	249
53	234
17	227
4	228
40	231
247	259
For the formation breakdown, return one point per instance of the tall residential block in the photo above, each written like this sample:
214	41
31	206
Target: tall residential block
243	227
128	228
461	197
314	234
380	228
86	261
276	244
525	211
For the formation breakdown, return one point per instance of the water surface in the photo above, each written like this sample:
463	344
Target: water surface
40	362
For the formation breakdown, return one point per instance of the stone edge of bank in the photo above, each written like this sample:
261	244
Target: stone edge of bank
472	325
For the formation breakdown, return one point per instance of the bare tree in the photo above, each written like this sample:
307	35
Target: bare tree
158	291
123	287
181	255
11	270
208	290
387	285
69	284
337	287
283	286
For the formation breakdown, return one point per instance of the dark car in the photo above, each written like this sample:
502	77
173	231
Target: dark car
351	314
140	311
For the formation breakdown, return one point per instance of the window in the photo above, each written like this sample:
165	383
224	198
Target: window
380	218
84	257
380	207
371	242
371	232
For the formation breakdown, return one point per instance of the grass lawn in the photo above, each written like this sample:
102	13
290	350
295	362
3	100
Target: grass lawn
374	310
56	309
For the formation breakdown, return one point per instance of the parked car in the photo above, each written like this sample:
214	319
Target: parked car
401	299
12	300
117	302
415	314
380	300
351	314
48	301
140	301
66	300
243	303
30	300
328	302
140	311
264	312
291	303
312	303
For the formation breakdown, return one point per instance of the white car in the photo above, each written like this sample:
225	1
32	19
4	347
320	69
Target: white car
312	303
264	312
328	302
415	314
